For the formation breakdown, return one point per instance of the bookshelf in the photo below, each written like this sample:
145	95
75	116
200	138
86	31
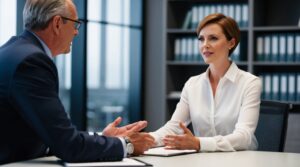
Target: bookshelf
257	19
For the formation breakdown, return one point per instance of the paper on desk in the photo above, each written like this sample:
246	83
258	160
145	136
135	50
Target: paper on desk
161	151
124	162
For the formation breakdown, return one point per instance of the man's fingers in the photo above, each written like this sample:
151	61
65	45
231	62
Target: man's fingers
117	121
138	127
129	126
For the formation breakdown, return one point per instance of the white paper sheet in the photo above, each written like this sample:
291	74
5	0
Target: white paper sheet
124	162
161	151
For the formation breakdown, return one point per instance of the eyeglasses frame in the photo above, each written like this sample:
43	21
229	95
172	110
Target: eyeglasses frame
78	22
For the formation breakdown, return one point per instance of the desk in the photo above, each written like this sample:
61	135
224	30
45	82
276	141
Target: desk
216	159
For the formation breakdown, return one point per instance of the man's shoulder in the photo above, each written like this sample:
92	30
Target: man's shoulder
18	48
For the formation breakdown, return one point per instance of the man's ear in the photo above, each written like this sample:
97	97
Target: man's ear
56	24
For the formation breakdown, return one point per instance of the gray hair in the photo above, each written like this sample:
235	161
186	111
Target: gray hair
38	13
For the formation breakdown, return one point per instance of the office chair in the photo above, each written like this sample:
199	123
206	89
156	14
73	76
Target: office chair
272	126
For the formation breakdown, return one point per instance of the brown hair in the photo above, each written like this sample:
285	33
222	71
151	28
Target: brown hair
228	25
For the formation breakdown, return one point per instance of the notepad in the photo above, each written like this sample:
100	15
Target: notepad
161	151
124	162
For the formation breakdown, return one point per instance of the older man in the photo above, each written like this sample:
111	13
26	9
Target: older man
32	118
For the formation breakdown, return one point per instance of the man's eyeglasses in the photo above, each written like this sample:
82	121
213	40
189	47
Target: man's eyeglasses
77	22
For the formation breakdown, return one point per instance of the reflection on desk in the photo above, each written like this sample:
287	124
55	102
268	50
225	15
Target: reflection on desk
215	159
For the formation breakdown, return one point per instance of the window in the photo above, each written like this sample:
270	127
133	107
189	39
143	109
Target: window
8	10
114	37
63	64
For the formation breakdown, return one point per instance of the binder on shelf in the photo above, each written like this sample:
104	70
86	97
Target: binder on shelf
213	9
177	49
189	49
200	12
219	8
292	87
290	47
283	87
231	11
275	51
298	87
175	95
225	10
206	10
262	78
282	47
260	48
238	15
187	20
245	15
267	48
196	56
275	87
236	54
297	47
267	86
195	18
183	49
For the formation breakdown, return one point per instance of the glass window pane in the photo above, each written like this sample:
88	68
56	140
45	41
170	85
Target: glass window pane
93	53
114	61
63	64
8	11
114	11
110	47
94	10
136	12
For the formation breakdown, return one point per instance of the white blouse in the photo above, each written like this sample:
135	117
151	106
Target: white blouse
224	123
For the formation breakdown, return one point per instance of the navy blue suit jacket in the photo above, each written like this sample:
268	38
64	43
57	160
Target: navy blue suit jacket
32	117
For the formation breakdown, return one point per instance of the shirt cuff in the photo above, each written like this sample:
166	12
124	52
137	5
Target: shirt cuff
92	133
207	144
124	146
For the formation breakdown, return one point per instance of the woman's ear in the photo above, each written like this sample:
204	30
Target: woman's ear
232	43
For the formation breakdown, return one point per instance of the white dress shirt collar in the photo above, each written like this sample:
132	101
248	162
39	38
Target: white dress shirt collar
230	74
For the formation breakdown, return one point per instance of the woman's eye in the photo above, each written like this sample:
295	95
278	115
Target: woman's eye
214	38
201	39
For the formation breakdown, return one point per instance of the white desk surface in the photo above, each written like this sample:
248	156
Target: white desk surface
216	159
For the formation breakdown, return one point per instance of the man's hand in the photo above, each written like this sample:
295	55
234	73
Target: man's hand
141	142
112	130
185	141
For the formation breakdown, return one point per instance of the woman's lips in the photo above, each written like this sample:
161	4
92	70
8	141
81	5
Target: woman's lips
207	54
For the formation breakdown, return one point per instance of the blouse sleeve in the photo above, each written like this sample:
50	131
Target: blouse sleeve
243	135
181	114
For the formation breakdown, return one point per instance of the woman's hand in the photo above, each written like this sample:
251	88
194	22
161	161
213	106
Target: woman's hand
185	141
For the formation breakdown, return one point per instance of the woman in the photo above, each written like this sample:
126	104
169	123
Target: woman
222	103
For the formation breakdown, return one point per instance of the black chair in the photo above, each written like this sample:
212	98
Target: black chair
272	126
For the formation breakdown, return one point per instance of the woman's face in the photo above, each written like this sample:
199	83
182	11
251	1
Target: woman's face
213	45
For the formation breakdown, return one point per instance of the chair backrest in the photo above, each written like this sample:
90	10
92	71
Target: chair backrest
272	126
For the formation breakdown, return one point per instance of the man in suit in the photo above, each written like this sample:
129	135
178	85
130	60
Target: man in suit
32	117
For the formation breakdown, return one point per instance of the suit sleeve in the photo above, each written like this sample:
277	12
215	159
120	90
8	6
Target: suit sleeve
34	94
